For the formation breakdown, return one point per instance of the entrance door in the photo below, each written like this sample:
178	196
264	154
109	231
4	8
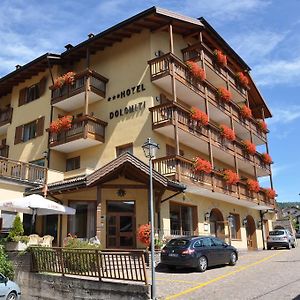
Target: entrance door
251	233
120	224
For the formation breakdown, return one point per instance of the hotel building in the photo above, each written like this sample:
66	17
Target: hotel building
78	136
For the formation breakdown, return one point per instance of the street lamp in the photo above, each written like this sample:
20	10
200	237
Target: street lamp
230	220
150	149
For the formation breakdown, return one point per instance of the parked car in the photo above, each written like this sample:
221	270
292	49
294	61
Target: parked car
298	234
198	252
280	238
9	290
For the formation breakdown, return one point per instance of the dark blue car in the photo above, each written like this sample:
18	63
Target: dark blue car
198	252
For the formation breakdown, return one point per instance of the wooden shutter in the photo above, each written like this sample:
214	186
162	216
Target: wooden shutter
42	86
22	96
40	126
19	134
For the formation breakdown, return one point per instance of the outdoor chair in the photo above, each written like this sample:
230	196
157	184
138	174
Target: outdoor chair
34	240
47	241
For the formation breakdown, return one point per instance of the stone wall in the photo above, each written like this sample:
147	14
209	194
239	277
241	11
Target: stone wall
39	286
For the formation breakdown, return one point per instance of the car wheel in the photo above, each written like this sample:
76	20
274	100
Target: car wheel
11	296
269	247
202	264
233	259
288	246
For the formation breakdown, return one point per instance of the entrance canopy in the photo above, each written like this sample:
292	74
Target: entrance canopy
36	204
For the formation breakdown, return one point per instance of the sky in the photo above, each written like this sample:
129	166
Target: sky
263	32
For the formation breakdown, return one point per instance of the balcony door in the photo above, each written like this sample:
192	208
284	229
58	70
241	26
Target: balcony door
121	224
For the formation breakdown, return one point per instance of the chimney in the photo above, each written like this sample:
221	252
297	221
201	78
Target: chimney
69	46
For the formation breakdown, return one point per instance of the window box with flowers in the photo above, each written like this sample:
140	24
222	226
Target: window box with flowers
242	79
270	193
199	118
224	94
68	78
227	133
253	185
196	71
221	58
246	112
61	124
250	148
230	177
267	159
262	125
202	166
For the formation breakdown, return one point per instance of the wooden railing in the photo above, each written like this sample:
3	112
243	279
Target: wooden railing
163	115
162	66
25	172
82	127
5	116
128	266
172	165
4	150
97	84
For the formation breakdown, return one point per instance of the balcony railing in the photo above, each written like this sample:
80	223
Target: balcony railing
181	169
4	150
161	67
85	127
96	84
163	115
5	116
25	172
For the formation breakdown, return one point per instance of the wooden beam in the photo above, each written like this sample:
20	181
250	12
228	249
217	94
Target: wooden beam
124	186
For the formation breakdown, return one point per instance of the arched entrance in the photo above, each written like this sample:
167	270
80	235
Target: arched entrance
217	227
251	233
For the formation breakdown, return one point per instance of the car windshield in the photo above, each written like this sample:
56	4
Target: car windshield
277	232
179	242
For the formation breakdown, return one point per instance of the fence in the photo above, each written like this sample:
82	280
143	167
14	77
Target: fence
128	266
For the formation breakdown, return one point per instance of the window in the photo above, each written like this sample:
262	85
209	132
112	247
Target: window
235	227
124	148
73	163
217	242
206	242
198	243
29	131
32	93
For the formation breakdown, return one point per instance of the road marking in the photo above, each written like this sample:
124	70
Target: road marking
190	290
180	281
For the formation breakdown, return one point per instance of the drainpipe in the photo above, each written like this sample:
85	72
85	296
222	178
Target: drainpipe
262	227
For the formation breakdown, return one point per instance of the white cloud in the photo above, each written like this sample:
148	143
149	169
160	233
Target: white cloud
285	115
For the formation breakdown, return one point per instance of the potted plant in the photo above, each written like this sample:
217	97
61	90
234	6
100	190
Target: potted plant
230	177
143	236
202	165
246	112
16	241
253	185
227	132
224	94
242	79
197	72
263	126
61	124
68	78
249	147
220	57
270	193
267	159
199	117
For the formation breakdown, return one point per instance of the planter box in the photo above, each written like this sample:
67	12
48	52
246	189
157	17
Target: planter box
15	246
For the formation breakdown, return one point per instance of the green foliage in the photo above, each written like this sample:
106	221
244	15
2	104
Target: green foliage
288	204
16	230
74	243
20	238
6	267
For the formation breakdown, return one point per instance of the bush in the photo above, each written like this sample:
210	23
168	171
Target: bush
6	267
17	229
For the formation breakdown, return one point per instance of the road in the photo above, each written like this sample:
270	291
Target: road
273	274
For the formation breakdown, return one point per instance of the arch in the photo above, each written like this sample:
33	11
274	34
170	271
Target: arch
217	227
251	233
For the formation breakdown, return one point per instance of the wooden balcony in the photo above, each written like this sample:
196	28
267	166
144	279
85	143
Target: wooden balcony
70	97
192	92
197	137
85	132
24	173
210	185
5	119
4	150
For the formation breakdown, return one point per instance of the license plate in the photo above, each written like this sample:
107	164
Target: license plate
173	254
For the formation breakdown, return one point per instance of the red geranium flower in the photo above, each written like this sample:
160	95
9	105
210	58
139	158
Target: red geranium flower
143	234
227	132
199	115
243	80
253	185
246	112
250	147
224	94
230	177
266	158
220	57
270	193
263	126
202	165
197	72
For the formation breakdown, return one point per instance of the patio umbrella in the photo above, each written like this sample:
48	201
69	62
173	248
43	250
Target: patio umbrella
36	205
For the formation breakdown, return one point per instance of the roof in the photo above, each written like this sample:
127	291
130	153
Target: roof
126	164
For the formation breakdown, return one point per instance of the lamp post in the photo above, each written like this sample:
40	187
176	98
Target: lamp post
150	149
230	220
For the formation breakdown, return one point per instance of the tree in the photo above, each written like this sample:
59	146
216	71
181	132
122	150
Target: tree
17	229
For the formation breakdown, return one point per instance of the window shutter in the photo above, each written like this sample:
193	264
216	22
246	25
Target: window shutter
42	86
22	96
19	134
40	126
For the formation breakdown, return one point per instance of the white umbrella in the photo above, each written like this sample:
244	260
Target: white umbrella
36	204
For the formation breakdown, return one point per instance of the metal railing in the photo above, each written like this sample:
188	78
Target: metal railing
25	172
122	265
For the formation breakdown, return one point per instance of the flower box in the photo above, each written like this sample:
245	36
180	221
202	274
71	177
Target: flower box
242	79
67	78
246	112
230	177
267	159
263	126
199	116
270	193
249	147
253	185
197	72
15	246
220	57
227	132
61	124
202	165
224	94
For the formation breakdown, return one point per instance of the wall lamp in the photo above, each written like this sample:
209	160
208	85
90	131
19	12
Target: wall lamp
206	217
230	219
245	221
